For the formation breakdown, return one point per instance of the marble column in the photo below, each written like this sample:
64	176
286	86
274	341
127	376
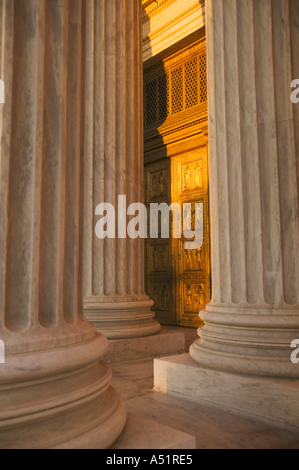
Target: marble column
54	392
254	184
114	295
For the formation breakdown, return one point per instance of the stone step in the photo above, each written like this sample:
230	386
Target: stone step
274	399
163	344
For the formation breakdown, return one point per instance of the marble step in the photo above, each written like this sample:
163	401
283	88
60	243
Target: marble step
274	399
163	344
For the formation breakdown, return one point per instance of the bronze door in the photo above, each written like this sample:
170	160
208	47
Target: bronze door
176	171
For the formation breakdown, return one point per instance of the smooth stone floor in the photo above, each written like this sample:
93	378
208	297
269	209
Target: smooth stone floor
142	433
214	426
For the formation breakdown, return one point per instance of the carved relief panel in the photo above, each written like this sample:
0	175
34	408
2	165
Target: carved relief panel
194	260
157	183
191	174
194	299
159	259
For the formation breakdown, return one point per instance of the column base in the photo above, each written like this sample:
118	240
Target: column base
60	399
122	318
274	399
159	345
248	341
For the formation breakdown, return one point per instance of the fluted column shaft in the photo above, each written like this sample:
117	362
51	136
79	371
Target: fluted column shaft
254	179
54	392
114	294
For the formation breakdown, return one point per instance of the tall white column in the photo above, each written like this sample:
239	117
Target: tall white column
254	182
114	294
54	392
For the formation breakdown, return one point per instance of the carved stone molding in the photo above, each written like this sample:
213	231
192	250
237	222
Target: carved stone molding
171	23
153	7
166	22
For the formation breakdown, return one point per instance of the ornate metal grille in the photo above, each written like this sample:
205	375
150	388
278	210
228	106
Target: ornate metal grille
179	88
150	102
203	78
163	92
177	91
191	84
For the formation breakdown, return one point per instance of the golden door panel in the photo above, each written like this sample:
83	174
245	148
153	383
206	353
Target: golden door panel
192	267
